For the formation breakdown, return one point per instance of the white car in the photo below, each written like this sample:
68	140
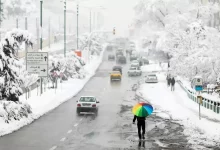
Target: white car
134	71
87	104
135	62
135	65
151	78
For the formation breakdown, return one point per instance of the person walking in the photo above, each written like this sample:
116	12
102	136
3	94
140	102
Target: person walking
173	84
168	80
140	125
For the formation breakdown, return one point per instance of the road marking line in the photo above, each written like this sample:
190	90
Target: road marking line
69	131
53	148
75	125
63	139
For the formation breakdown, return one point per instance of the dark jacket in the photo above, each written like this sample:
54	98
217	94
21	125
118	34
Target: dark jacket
139	118
173	81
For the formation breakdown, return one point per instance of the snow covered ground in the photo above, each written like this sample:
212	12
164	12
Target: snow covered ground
183	110
51	99
152	67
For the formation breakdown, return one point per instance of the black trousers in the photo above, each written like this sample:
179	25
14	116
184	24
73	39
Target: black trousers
141	125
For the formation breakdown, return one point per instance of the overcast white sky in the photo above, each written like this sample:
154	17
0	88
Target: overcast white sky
118	13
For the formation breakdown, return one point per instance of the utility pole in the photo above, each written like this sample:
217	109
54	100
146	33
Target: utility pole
41	23
49	32
59	24
77	27
64	28
94	22
37	31
17	23
26	28
90	20
41	40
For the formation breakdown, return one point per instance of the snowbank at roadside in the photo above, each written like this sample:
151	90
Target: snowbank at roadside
154	67
51	99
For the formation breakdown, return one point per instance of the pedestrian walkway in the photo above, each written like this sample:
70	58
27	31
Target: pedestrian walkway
180	107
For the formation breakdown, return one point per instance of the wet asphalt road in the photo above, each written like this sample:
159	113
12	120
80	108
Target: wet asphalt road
63	129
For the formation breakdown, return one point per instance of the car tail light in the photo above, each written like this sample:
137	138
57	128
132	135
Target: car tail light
78	105
94	105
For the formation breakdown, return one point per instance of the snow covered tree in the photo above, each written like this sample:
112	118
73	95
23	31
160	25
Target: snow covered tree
17	8
181	30
93	41
1	12
10	81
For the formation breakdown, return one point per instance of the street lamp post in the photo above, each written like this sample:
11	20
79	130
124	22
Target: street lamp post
90	20
64	28
41	39
77	27
41	23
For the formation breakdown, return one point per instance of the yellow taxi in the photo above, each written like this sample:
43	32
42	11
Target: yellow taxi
115	75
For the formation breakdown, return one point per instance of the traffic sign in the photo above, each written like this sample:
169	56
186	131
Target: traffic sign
198	88
37	63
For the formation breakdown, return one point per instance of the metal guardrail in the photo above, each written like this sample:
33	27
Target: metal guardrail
207	103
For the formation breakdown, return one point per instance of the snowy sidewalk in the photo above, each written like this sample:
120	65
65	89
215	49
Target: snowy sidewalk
182	110
51	99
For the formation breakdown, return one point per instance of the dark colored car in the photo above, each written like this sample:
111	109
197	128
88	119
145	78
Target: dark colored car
111	57
117	68
109	48
119	53
133	58
146	61
122	60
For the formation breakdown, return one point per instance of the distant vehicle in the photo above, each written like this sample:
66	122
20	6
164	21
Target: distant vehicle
87	104
135	64
135	61
121	59
133	57
134	71
120	50
111	57
129	51
119	53
151	78
145	61
109	48
115	75
117	68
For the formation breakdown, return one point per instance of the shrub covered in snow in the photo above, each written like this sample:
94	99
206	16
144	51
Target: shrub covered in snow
10	111
71	65
92	42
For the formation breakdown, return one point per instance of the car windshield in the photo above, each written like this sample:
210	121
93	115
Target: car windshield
132	68
152	77
116	72
87	99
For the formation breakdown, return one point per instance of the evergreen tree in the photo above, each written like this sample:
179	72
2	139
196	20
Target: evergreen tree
9	79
